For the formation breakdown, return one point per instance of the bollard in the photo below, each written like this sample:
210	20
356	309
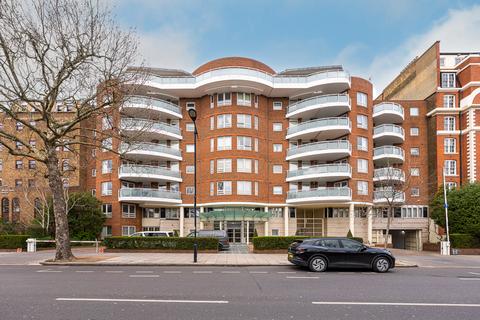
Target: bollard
31	245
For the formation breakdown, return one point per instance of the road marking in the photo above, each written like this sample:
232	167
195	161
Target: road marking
469	279
172	271
144	276
202	271
475	273
414	304
230	271
143	271
143	300
258	272
114	271
84	271
49	271
302	277
286	272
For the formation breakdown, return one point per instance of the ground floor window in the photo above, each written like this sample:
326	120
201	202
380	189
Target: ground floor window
107	231
360	212
151	229
275	232
276	212
309	221
128	230
161	213
337	212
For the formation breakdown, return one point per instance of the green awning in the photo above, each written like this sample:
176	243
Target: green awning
235	214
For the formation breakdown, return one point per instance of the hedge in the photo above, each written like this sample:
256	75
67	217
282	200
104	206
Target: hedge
462	240
13	241
160	243
279	243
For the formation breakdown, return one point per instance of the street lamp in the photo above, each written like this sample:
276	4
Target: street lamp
193	115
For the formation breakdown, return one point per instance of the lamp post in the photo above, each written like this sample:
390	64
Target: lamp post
193	115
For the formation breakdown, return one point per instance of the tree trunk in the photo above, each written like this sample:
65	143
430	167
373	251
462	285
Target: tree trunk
389	219
62	236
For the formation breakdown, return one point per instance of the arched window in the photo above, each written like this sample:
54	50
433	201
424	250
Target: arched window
37	208
15	210
5	210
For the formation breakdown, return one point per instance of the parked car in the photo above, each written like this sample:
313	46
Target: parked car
322	253
153	234
222	236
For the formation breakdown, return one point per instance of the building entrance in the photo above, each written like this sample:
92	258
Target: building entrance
240	231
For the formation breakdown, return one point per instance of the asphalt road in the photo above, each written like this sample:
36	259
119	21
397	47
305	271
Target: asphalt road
38	292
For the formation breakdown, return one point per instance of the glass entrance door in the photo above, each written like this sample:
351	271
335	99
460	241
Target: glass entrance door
234	231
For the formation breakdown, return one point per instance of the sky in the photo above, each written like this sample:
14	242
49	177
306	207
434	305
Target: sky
373	39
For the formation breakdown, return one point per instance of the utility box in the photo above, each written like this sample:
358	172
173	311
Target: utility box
445	248
31	245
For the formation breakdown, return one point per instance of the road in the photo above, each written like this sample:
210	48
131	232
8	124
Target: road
38	292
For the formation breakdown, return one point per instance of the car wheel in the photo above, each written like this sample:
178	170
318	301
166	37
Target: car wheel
317	264
381	265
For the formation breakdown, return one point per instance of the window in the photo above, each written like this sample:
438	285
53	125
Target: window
362	121
277	126
106	231
353	245
212	123
448	80
94	172
128	211
212	166
414	131
212	99
19	126
244	121
256	122
94	153
277	168
106	166
190	148
190	105
33	123
442	61
1	165
190	190
415	152
362	143
224	121
33	144
107	188
276	212
277	105
107	123
212	144
450	145
277	147
212	188
224	188
449	123
244	165
107	209
277	190
362	165
32	164
244	99
224	143
451	185
337	212
18	145
244	187
94	192
224	99
449	101
415	192
190	169
415	172
362	99
244	143
128	230
224	165
107	144
18	183
190	127
362	188
18	164
413	112
450	167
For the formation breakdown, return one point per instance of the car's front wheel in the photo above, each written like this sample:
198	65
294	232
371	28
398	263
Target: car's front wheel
381	265
317	264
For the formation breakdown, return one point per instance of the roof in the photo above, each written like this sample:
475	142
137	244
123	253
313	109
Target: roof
233	62
161	72
309	71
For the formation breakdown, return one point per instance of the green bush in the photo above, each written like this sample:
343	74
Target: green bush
462	240
160	243
282	243
13	241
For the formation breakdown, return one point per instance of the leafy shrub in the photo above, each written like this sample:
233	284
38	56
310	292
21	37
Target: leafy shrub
160	243
462	240
13	241
11	228
282	243
36	231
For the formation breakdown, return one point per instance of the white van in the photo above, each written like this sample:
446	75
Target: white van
153	234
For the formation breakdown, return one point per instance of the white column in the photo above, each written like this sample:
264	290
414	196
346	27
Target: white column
248	229
370	224
285	221
266	224
201	222
182	221
351	216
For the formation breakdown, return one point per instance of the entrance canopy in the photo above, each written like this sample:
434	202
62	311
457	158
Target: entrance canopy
235	214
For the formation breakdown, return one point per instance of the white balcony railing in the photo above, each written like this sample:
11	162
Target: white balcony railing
388	151
147	193
321	125
149	147
388	128
143	170
387	196
329	99
327	194
340	169
334	146
148	126
388	173
152	103
388	107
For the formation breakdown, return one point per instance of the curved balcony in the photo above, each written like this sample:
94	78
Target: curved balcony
388	134
149	197
388	196
321	173
142	173
388	155
151	130
321	129
387	112
149	151
329	105
320	195
323	150
389	174
138	106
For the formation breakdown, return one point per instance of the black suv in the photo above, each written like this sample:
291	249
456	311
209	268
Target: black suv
322	253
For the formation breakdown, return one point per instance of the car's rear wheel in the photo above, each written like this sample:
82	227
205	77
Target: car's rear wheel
381	265
317	264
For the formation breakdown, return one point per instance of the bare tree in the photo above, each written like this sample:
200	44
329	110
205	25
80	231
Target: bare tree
55	51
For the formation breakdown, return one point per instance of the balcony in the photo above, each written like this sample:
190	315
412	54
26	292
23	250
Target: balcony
320	195
389	174
388	196
387	155
321	106
138	106
321	129
149	197
323	151
388	134
150	130
387	112
149	151
321	173
142	173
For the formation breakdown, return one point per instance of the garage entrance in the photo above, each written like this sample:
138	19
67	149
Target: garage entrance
405	239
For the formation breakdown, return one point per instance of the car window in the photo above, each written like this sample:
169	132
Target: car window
349	244
330	243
